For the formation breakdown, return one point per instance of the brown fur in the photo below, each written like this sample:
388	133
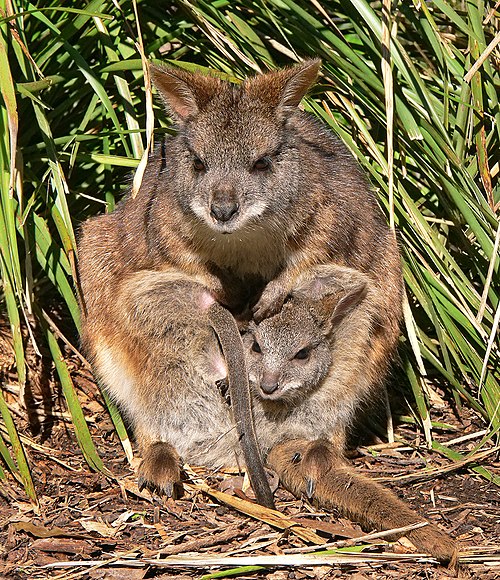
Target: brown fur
163	372
316	469
250	194
316	396
304	401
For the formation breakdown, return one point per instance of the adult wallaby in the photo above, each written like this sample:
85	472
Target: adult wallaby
250	193
299	363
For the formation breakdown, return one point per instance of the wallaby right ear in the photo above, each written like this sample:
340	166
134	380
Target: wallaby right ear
352	297
284	87
184	93
333	308
328	279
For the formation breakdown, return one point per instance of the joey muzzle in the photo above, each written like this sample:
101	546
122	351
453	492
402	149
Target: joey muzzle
269	382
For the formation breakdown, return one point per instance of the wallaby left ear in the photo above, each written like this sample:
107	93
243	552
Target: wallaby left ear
285	87
183	92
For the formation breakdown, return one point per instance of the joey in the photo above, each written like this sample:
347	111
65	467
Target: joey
299	363
299	360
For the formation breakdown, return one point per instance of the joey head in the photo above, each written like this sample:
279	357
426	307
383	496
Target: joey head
299	360
291	352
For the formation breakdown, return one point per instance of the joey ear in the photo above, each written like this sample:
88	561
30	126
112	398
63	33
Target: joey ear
328	279
333	308
348	302
285	87
183	92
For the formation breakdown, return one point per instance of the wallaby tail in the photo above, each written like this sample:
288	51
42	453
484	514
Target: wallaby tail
227	331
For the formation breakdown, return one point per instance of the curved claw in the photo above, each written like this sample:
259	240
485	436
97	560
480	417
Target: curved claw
159	470
310	487
142	484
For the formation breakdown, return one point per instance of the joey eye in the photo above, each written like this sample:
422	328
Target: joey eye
256	347
262	164
198	164
303	354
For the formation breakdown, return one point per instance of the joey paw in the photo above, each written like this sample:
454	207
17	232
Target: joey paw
159	470
270	302
301	464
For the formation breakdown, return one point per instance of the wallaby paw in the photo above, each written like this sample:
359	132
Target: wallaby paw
431	540
159	470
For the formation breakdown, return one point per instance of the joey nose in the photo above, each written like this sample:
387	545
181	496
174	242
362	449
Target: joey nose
269	383
223	211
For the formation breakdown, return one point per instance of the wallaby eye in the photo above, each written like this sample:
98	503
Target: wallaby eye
303	354
198	164
262	164
256	347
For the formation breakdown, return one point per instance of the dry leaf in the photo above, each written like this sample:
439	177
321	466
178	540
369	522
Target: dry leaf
62	545
103	529
43	532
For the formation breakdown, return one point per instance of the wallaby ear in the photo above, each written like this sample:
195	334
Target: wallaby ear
184	93
334	290
285	87
327	279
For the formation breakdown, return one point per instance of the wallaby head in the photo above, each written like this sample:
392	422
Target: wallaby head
234	155
290	353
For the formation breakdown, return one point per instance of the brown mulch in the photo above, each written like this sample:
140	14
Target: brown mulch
91	526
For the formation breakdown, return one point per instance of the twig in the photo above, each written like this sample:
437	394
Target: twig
353	541
466	437
486	53
272	517
282	561
195	545
440	470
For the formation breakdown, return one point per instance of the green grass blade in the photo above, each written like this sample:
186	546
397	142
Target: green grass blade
19	454
82	432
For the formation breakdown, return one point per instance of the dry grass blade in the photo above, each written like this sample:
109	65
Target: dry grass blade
139	174
354	541
433	472
272	517
484	55
282	561
389	102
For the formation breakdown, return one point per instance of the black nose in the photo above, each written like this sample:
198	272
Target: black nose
223	211
268	387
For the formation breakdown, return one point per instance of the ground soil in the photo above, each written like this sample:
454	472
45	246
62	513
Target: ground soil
85	516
